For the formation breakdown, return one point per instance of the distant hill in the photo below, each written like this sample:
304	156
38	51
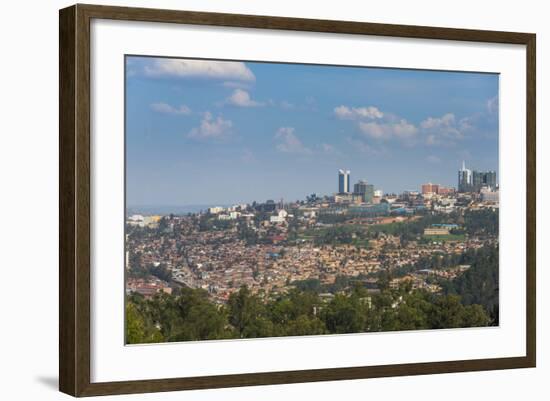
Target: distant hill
167	209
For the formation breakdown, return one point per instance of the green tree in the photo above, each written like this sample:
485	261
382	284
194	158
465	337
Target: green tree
480	283
447	312
137	329
247	315
305	325
200	319
475	316
345	314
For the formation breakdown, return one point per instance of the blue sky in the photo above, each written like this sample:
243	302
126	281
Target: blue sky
203	132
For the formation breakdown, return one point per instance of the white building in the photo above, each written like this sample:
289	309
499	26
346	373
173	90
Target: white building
215	210
280	217
464	178
136	220
488	195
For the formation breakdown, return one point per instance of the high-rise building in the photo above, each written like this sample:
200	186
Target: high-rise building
491	179
343	181
484	179
365	190
477	180
464	179
430	188
470	181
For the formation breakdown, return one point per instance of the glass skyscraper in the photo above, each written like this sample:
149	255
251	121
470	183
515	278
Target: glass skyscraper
484	179
473	181
464	179
365	190
343	181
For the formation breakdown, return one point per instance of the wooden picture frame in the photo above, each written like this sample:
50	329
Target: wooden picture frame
74	199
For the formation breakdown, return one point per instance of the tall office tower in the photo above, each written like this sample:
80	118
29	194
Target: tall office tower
366	191
464	179
477	180
491	179
343	181
484	179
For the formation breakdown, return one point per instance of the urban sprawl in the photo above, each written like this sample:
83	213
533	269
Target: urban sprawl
270	247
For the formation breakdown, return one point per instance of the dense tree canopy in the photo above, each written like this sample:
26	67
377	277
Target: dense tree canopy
479	285
189	315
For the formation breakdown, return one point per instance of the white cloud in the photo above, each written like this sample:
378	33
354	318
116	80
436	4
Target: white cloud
241	98
375	127
353	113
388	130
432	140
447	120
483	124
444	130
433	159
492	105
236	84
343	112
288	142
227	70
168	109
211	128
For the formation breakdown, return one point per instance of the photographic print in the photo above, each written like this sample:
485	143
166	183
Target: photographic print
269	199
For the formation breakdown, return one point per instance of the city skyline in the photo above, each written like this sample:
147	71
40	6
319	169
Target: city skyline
207	132
466	183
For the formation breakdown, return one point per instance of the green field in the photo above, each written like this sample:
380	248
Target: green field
449	237
338	234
